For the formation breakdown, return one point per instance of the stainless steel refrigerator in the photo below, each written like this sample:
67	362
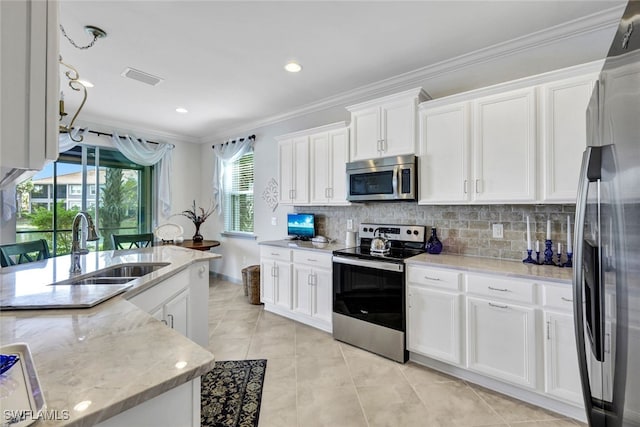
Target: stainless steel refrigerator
606	278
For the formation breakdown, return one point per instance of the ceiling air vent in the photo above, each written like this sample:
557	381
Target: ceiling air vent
141	76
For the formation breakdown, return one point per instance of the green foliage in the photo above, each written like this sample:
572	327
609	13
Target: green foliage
112	206
42	219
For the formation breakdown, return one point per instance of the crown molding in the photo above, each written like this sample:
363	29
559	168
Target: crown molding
578	27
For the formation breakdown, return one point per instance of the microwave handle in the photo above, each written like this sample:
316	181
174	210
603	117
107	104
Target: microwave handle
394	181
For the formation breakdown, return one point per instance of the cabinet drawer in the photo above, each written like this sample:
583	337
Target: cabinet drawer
502	288
275	252
434	277
313	258
558	296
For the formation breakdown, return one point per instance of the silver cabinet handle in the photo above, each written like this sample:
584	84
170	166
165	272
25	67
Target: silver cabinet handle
464	186
498	289
548	330
433	278
170	316
477	185
165	322
312	260
498	306
566	299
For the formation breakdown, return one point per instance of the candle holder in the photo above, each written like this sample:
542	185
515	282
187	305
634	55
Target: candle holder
548	253
569	263
559	264
537	257
528	259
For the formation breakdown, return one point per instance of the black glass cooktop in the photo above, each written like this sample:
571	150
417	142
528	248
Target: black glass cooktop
364	252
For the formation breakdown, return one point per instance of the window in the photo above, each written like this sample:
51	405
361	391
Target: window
238	195
115	191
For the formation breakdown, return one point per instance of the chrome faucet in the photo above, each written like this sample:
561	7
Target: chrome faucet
76	238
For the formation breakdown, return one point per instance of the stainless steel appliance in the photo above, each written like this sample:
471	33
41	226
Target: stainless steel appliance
383	179
607	238
369	308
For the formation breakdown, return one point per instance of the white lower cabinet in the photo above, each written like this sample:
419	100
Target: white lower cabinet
562	378
178	302
502	340
297	284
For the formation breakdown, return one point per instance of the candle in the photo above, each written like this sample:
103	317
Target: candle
559	248
528	235
568	235
537	245
548	229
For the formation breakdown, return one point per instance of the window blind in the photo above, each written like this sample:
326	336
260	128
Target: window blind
238	195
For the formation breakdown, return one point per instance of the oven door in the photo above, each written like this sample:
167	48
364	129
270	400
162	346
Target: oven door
372	291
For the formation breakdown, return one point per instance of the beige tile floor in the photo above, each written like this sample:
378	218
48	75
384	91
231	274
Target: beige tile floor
312	380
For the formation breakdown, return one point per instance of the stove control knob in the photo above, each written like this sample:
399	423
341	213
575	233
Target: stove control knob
415	232
408	231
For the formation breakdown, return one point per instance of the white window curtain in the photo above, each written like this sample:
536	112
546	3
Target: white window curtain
65	142
148	154
223	153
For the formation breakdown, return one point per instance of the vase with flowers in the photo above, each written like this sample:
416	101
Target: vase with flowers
198	217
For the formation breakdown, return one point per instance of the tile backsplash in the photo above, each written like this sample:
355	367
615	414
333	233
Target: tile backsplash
463	229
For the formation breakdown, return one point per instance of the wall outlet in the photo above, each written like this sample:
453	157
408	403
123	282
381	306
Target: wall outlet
498	231
274	220
350	224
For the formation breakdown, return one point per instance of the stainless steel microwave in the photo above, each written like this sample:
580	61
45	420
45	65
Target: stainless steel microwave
383	179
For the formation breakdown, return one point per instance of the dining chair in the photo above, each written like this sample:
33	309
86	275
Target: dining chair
142	240
21	253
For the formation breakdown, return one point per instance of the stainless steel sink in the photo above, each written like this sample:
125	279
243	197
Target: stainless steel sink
129	270
116	275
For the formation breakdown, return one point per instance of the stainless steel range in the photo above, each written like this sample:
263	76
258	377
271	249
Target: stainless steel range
369	308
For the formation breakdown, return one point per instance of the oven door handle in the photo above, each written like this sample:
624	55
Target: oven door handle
378	265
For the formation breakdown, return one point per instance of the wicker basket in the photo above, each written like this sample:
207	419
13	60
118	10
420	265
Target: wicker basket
251	282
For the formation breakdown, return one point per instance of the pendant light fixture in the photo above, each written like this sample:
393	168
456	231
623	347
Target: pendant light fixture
75	83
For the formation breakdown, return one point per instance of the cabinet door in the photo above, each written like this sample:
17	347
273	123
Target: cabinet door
267	281
301	170
502	341
398	127
365	127
176	312
562	378
564	136
320	168
302	289
282	295
339	143
445	156
285	171
322	284
504	147
434	324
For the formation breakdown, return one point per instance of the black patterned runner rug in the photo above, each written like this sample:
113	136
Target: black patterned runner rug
231	393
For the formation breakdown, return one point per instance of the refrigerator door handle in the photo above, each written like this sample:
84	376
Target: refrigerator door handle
578	283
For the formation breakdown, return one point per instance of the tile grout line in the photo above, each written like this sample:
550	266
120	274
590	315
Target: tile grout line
344	358
504	421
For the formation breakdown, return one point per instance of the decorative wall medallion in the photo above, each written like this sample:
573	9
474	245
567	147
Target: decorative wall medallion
270	194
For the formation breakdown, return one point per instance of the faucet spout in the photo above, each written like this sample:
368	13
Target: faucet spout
76	239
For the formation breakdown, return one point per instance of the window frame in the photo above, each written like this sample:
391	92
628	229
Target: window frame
228	194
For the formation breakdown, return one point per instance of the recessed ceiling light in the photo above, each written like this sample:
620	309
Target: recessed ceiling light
293	67
182	110
85	83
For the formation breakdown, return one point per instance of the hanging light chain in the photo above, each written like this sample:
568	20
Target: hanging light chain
96	36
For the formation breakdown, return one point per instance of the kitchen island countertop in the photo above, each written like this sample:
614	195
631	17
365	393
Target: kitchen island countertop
107	358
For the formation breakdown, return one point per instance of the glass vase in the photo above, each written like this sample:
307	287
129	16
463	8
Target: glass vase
434	245
197	237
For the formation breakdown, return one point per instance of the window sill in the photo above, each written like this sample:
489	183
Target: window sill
239	235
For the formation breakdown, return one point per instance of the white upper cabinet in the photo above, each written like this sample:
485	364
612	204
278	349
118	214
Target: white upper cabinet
564	136
517	142
294	170
29	86
445	162
504	146
311	165
329	153
386	126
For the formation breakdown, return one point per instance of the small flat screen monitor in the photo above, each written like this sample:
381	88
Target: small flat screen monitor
301	226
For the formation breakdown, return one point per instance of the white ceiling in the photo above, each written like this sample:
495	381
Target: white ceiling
223	60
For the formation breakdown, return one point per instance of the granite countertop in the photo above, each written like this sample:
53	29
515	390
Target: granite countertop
310	246
495	266
113	355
